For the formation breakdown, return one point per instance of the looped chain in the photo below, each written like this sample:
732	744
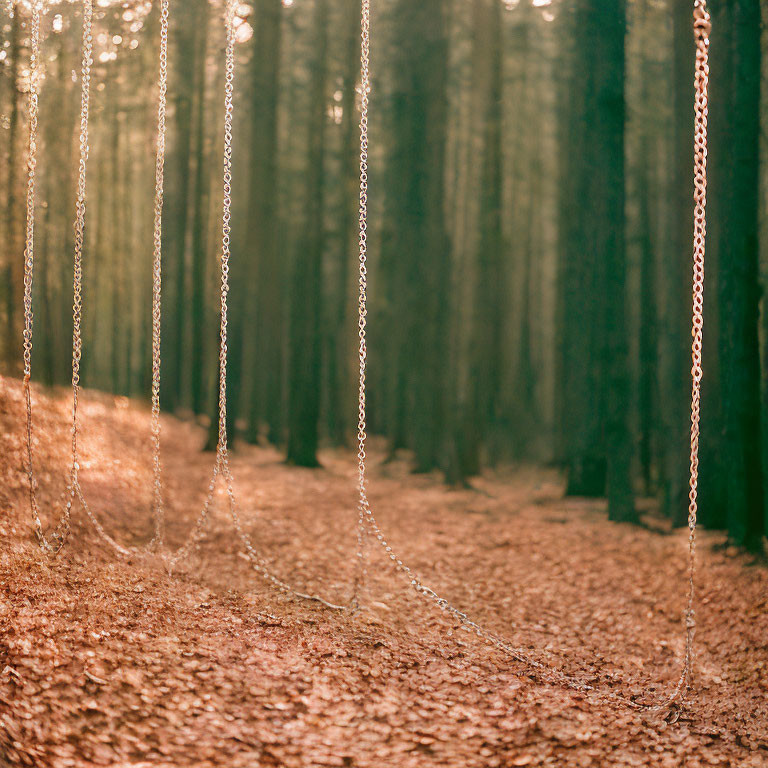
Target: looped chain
367	519
55	542
63	527
222	466
74	490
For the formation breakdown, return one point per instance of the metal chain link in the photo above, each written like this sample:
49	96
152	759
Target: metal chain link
363	508
702	26
63	527
29	263
157	493
157	264
221	446
74	489
672	701
257	561
157	497
77	301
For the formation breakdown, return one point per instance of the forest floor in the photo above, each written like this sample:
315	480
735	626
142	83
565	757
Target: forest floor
109	662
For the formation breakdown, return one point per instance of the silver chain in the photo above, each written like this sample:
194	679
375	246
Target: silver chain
63	527
74	490
157	263
366	517
77	303
53	544
363	507
29	263
221	447
157	494
257	561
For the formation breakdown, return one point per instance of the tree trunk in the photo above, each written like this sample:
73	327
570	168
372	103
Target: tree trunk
648	343
473	425
14	243
338	360
199	363
738	287
415	247
580	375
524	382
609	20
176	209
594	322
306	300
263	363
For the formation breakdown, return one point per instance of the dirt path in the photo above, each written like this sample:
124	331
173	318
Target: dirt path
113	663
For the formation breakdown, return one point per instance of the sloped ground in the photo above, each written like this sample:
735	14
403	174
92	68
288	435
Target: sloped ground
113	663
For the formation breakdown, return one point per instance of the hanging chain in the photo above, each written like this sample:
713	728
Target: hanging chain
77	288
77	304
674	700
363	508
157	490
29	264
157	263
157	498
257	561
702	27
73	489
226	217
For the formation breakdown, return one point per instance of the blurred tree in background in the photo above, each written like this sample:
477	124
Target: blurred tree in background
531	197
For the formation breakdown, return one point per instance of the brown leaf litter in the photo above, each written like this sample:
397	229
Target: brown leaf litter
109	662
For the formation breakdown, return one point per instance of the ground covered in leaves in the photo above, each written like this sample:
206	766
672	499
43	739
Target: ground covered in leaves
111	662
